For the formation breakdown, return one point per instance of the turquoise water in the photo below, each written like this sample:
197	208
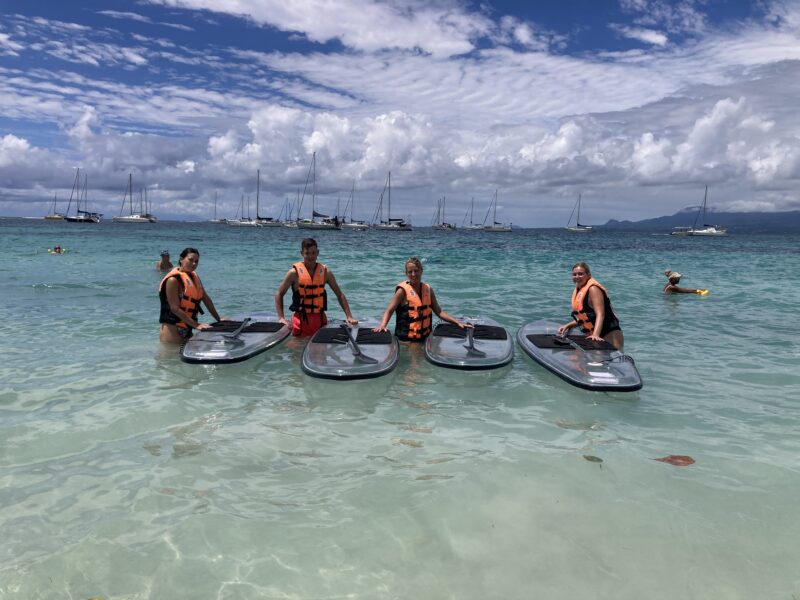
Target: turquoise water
127	474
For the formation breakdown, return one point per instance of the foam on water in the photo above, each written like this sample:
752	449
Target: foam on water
125	473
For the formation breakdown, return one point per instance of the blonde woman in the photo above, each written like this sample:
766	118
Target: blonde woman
414	302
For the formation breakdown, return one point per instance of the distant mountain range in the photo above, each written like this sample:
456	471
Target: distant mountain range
738	222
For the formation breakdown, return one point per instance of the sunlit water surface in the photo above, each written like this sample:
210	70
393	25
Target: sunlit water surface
127	474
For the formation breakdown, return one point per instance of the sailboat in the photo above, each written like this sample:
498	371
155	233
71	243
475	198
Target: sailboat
439	224
390	224
215	220
577	228
352	224
706	229
81	215
472	226
264	221
55	215
243	221
495	227
289	222
143	216
317	220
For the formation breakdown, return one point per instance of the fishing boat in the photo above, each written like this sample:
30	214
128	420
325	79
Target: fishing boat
389	224
352	224
81	195
439	224
317	220
577	228
55	215
240	220
264	221
496	226
142	216
215	220
706	229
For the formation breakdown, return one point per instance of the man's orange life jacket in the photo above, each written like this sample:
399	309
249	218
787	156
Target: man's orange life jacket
310	295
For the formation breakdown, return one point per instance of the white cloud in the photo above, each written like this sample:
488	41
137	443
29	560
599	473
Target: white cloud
115	14
651	157
673	15
516	116
7	46
367	25
649	36
12	148
567	142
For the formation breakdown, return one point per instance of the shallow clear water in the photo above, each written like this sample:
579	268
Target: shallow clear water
125	473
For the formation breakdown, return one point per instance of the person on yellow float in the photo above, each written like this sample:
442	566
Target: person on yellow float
414	302
164	264
674	279
181	292
592	310
308	279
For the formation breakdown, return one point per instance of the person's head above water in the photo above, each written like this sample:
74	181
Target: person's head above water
414	263
673	276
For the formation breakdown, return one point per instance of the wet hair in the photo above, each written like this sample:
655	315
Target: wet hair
416	262
583	266
672	275
308	243
187	251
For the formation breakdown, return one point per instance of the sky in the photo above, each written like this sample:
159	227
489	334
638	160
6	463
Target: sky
636	105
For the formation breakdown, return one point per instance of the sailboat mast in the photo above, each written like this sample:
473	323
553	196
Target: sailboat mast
702	210
313	184
74	186
705	199
390	196
352	200
258	191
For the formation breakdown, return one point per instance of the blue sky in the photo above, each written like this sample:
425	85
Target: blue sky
635	104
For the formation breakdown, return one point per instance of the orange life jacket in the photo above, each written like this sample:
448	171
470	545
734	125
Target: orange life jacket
310	295
190	296
413	321
585	315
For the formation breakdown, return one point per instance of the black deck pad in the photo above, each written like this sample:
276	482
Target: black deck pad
482	332
253	327
548	341
336	335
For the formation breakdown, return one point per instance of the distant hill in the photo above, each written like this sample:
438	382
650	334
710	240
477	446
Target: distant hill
739	222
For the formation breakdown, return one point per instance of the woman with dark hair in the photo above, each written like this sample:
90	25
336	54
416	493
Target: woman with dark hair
592	310
181	293
414	302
